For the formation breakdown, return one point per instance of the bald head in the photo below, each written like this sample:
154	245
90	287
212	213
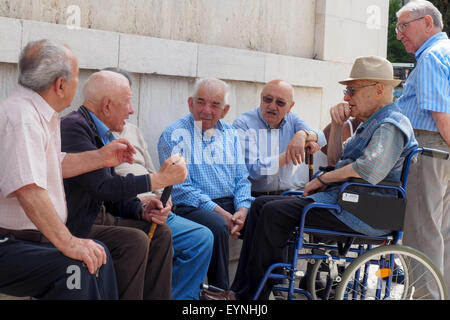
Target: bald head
108	95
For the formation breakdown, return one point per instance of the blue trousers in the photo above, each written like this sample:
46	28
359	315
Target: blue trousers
218	269
42	271
192	250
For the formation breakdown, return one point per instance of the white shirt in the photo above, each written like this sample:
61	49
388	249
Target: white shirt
30	153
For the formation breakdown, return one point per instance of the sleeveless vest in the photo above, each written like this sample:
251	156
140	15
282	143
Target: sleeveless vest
355	148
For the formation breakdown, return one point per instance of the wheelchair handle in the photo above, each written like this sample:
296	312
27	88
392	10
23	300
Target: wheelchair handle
434	153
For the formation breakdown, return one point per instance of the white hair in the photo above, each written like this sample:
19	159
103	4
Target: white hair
212	82
42	62
422	8
101	83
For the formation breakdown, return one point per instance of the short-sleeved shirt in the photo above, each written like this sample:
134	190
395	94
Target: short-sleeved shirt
427	88
30	153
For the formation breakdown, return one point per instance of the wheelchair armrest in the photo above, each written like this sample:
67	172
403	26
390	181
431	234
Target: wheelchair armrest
435	153
381	183
385	184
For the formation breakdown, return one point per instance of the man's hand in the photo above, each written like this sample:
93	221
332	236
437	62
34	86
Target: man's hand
155	212
91	253
313	186
238	220
117	152
340	113
38	206
295	150
173	171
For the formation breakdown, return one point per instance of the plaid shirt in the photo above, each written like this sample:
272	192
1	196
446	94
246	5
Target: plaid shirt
215	164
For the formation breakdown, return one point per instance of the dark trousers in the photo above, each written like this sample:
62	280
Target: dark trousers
268	227
218	266
43	272
143	271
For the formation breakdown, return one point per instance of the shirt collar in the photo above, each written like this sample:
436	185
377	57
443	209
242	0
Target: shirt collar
265	122
102	129
437	37
41	105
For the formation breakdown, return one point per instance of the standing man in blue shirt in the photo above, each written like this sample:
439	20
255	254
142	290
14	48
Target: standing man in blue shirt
274	139
216	192
426	102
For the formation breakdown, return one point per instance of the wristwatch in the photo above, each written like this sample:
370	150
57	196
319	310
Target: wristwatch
308	133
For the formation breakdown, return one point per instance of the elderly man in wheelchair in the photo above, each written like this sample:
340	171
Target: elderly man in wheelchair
375	156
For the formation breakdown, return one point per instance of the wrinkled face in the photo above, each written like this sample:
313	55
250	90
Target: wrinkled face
364	101
119	108
208	105
414	35
276	102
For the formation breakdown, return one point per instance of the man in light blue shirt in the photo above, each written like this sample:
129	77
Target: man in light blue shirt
426	102
216	192
274	139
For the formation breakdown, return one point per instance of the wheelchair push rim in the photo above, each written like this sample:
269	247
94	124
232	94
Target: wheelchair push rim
375	276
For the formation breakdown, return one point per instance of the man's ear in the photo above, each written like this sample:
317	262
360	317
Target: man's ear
191	104
58	87
380	88
226	108
429	24
292	105
106	106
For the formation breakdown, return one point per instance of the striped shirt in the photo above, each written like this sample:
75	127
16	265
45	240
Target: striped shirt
215	164
427	89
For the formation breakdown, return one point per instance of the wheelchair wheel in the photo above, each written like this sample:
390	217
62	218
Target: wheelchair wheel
392	272
320	281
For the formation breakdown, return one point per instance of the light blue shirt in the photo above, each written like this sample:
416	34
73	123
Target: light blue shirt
102	130
215	164
427	88
262	145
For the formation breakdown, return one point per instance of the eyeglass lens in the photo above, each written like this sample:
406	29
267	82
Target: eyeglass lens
269	100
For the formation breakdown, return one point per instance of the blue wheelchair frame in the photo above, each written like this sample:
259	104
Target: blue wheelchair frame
290	269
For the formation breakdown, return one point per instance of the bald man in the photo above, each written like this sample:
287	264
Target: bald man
142	272
274	139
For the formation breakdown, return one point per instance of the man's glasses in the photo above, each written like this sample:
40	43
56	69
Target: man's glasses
351	90
402	26
269	100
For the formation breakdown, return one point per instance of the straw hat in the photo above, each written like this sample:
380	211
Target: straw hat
372	68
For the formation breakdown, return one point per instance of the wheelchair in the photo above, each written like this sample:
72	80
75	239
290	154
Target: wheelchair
353	266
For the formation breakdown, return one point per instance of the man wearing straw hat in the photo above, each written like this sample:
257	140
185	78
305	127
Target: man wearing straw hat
426	102
379	146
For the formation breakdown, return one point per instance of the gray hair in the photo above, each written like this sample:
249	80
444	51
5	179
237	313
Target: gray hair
42	62
212	82
422	8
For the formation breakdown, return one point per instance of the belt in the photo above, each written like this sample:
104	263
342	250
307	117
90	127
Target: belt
268	193
24	235
420	131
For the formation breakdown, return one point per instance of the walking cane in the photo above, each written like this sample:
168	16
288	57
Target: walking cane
164	197
310	162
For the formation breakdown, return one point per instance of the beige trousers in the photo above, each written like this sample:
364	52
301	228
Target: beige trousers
427	221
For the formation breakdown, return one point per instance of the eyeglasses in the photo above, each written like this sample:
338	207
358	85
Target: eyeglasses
402	26
269	100
351	90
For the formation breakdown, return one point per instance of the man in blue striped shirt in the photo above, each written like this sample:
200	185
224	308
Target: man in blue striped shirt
216	192
426	102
